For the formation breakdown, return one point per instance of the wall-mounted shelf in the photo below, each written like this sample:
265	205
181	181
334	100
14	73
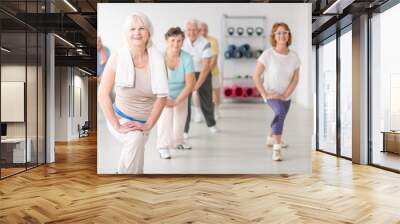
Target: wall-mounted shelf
234	66
245	36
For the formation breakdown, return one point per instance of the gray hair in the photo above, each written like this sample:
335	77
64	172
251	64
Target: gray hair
132	18
192	21
203	23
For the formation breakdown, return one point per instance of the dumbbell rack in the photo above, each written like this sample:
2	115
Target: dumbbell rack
233	67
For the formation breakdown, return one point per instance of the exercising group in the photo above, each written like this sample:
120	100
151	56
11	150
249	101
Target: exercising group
157	88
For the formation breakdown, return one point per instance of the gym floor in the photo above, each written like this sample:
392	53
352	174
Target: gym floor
238	149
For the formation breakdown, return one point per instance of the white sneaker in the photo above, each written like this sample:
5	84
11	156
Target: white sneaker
186	135
270	142
214	129
183	146
217	114
276	152
164	153
197	118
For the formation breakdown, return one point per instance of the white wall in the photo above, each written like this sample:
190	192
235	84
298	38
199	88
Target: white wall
66	98
297	16
33	126
16	73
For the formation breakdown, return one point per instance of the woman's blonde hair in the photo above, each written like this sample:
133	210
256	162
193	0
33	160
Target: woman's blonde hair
137	16
272	35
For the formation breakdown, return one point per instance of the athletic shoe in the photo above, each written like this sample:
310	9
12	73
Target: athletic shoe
276	152
186	135
214	129
217	114
183	146
270	143
197	118
164	153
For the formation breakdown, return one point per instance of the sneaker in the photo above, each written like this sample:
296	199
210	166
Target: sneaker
164	153
276	152
217	114
197	118
214	129
183	146
186	135
270	142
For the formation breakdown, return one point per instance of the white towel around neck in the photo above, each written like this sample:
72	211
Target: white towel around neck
125	70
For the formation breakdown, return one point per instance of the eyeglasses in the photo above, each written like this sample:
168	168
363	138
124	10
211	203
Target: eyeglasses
281	33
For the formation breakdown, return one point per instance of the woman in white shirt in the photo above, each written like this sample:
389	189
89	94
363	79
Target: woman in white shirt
280	67
141	88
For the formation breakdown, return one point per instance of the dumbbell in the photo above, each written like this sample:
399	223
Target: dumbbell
231	47
240	31
230	52
259	30
250	31
257	53
231	31
244	48
237	53
246	51
248	54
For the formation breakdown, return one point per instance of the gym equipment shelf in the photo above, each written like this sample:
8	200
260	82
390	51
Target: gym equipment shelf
231	67
244	36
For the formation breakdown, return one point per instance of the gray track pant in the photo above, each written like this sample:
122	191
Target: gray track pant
206	103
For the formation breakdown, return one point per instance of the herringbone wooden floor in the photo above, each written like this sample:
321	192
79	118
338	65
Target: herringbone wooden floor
70	191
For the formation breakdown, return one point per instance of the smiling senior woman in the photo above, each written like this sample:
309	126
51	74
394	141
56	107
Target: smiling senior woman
141	87
181	81
281	66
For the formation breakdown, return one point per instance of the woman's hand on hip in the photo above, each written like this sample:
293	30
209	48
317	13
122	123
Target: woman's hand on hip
130	126
136	126
123	129
273	96
283	97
